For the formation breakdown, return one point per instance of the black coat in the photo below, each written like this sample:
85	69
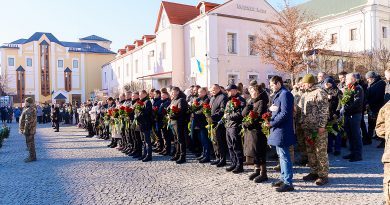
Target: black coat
144	118
255	141
218	104
375	95
164	105
199	119
181	117
355	105
234	119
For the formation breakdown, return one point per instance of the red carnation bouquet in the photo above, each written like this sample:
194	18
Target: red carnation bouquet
348	94
265	124
139	105
155	112
250	118
174	110
206	109
129	110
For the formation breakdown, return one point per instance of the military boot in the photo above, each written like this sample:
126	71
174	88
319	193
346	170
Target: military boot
310	177
263	175
322	181
255	173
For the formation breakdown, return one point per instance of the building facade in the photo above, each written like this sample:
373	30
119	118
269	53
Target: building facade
199	44
47	69
351	26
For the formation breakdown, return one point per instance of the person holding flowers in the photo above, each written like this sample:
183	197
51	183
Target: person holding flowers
201	114
178	121
255	141
314	115
156	126
233	120
136	132
352	102
143	117
161	120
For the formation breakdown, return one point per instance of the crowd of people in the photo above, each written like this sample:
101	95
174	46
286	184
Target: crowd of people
241	124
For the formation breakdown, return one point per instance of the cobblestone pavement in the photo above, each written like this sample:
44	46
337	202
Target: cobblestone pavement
72	169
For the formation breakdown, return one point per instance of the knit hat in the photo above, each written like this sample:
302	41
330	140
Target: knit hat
329	80
29	100
308	78
370	74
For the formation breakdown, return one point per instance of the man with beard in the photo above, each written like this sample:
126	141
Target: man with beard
178	112
218	103
233	120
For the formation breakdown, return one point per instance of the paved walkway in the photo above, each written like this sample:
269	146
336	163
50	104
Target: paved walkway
72	169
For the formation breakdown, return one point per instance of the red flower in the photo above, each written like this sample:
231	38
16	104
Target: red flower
139	102
196	103
236	102
253	114
351	87
129	109
109	112
175	109
266	116
116	110
206	106
155	108
122	108
164	112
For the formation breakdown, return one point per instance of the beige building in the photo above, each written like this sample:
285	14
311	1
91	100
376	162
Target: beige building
48	69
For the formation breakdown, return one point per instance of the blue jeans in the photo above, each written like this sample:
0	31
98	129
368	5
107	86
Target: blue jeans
147	144
334	140
204	139
286	169
352	128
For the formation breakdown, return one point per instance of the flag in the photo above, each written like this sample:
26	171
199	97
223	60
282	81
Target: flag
200	67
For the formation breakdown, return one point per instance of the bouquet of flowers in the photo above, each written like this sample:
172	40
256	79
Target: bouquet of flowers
265	128
195	106
348	94
206	109
250	118
155	112
164	112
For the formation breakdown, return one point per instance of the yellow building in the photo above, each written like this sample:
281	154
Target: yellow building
48	69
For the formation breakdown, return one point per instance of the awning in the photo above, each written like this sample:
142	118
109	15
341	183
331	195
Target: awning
60	97
164	75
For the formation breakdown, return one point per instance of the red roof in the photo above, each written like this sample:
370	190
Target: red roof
177	13
129	47
138	42
121	51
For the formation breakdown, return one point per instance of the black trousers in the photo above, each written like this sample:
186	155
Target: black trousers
137	140
220	145
234	143
57	125
180	139
167	138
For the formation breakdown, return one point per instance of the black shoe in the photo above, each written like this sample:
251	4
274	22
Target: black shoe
199	158
109	145
204	160
238	170
255	174
141	158
165	153
215	162
277	184
181	160
348	156
301	162
174	158
147	159
56	131
310	177
336	153
231	168
221	164
355	159
285	188
261	178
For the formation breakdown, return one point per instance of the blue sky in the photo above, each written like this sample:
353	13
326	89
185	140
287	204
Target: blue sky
121	21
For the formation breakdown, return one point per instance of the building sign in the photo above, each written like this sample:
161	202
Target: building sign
251	8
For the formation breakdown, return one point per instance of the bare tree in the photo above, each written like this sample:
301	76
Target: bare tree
382	56
283	42
3	84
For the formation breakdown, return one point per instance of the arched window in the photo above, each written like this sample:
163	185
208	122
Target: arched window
45	77
20	83
68	79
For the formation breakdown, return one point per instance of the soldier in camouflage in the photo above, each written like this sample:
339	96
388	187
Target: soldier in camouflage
297	93
27	126
314	116
383	130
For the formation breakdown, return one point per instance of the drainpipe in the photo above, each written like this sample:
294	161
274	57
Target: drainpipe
364	29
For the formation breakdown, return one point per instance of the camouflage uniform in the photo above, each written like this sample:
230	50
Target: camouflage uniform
383	131
297	93
315	111
27	126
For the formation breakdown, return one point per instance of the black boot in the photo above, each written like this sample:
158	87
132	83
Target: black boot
263	175
221	163
231	168
238	169
175	158
181	160
254	174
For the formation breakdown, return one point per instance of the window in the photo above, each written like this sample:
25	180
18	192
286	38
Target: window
253	77
163	50
192	47
252	50
75	64
353	34
150	62
333	38
127	69
232	41
60	63
384	32
45	71
232	79
11	61
29	62
136	66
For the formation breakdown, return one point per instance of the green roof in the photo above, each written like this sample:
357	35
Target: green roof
322	8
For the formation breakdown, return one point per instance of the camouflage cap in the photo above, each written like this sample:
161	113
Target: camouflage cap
29	100
308	78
